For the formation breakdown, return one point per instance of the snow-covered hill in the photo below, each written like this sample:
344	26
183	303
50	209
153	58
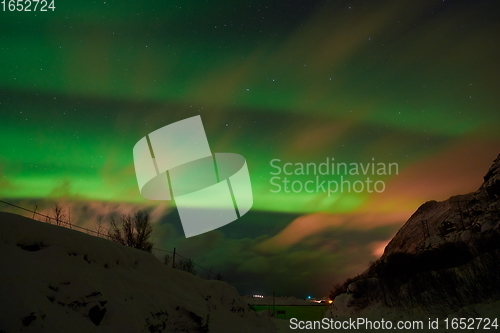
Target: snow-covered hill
53	279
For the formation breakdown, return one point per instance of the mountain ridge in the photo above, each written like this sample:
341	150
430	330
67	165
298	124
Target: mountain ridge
460	217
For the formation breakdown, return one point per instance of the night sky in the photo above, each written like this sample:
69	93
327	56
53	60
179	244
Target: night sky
407	82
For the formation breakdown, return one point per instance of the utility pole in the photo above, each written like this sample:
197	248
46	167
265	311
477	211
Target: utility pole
173	259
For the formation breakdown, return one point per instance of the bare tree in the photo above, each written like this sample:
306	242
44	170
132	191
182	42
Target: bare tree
134	231
59	215
99	228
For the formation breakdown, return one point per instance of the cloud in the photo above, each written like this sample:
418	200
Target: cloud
456	169
379	247
315	224
256	264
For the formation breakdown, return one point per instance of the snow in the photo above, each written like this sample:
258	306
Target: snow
340	311
268	300
54	279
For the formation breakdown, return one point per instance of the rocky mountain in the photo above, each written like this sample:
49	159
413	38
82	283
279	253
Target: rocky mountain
461	217
443	263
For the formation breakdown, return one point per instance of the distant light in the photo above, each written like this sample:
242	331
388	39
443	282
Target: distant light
257	296
308	297
330	302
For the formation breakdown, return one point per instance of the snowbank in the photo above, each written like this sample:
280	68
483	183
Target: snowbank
54	279
340	311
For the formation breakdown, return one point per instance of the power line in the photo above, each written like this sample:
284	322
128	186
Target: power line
209	270
52	218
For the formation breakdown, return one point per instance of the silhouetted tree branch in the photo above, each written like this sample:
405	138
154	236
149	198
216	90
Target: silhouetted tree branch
133	231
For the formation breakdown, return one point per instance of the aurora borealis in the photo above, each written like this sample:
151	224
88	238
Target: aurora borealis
412	83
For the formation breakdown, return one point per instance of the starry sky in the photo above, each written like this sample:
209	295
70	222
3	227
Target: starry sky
406	82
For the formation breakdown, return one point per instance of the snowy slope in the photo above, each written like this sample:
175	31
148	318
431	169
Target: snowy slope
54	279
340	311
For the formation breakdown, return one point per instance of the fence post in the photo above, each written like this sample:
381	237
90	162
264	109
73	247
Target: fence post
173	259
274	305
